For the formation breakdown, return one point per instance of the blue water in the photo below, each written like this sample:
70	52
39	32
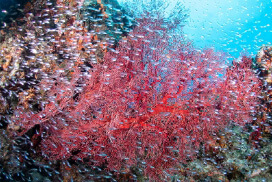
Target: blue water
234	26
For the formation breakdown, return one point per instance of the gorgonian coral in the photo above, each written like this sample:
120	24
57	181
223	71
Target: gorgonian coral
150	104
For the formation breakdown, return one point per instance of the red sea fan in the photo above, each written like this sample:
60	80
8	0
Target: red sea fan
150	104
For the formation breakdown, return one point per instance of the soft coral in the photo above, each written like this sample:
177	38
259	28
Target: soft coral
150	103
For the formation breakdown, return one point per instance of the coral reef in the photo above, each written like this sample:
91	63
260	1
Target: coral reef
142	107
48	40
91	94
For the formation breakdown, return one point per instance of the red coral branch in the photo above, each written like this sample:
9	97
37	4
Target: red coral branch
149	101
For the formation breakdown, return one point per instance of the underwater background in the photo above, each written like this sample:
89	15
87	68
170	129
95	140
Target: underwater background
135	90
231	26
